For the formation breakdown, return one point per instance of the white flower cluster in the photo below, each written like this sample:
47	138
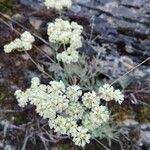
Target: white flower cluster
24	43
69	111
95	118
108	93
81	136
90	99
58	4
66	33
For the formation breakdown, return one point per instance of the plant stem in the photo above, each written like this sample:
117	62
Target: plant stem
101	144
130	70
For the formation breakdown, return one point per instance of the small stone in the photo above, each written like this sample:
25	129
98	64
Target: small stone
9	147
145	126
76	9
35	22
130	122
145	137
1	144
47	50
83	1
127	62
25	56
34	4
139	73
129	49
135	3
19	18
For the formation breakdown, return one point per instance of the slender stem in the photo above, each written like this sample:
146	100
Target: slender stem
92	28
130	70
28	53
37	36
10	111
101	144
32	44
44	53
137	91
7	17
37	64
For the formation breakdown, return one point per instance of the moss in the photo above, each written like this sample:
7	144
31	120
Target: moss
64	145
7	6
1	96
143	113
18	120
123	112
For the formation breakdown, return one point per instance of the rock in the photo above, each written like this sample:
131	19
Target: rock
140	73
18	17
47	50
130	122
34	4
9	147
1	143
83	1
145	126
134	3
110	6
25	57
35	22
145	137
103	2
127	62
76	9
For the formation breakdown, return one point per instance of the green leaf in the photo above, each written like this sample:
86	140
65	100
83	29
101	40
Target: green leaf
40	67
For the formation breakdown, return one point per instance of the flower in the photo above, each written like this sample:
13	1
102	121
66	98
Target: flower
107	92
68	112
68	57
59	102
35	82
73	93
22	97
95	118
90	121
24	43
59	31
81	136
75	110
90	99
59	4
101	113
16	44
56	87
62	125
66	33
27	37
118	96
45	110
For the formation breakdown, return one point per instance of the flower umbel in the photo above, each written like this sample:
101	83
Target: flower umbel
81	136
108	93
66	33
68	110
58	4
24	43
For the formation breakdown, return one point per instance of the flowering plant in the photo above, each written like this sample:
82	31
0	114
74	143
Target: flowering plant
58	4
65	107
73	101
